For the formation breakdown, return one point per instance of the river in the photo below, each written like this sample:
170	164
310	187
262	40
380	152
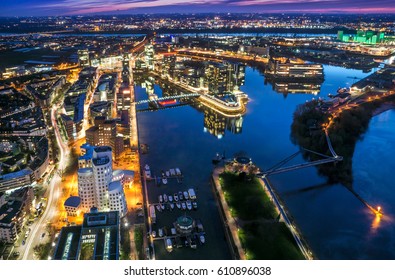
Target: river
335	224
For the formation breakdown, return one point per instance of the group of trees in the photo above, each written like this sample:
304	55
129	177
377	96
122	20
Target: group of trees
346	130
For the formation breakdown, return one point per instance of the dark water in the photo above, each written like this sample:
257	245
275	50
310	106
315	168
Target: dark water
335	223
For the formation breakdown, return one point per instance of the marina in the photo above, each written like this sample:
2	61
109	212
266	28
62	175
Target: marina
174	221
306	194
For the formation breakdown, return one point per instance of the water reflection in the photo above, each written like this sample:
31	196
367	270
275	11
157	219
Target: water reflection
217	125
336	225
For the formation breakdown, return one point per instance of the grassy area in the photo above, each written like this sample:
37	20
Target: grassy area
274	239
125	244
261	234
247	199
87	250
43	250
139	242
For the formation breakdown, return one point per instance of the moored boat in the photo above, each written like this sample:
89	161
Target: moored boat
147	171
189	205
169	245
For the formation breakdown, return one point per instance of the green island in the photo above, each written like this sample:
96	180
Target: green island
345	130
261	233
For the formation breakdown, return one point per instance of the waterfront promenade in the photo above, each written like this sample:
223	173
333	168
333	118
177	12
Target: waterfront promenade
231	227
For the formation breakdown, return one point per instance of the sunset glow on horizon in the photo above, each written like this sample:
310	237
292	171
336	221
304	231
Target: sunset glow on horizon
80	7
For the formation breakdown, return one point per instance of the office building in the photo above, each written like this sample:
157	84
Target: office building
96	239
83	58
149	53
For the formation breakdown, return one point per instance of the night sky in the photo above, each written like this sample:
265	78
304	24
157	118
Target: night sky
77	7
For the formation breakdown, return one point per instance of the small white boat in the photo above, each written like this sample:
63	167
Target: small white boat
178	172
189	205
180	195
175	197
169	245
186	196
178	205
193	244
164	180
183	206
165	197
171	206
173	231
194	205
162	206
153	233
160	232
170	198
202	239
168	173
158	207
160	199
172	172
147	171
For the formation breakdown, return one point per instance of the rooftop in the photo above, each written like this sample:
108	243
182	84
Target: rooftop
9	211
68	243
73	201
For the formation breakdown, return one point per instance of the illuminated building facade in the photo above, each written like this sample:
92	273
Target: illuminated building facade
94	179
364	37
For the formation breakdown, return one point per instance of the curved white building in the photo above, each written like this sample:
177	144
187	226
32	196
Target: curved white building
117	200
102	171
86	188
125	176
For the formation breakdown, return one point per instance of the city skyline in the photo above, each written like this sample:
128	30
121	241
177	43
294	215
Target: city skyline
89	7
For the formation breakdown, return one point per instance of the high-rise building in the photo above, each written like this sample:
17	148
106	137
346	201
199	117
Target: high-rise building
124	98
236	76
104	133
126	68
83	58
149	56
217	77
224	77
95	176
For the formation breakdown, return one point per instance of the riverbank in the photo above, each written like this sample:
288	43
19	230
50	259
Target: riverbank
345	125
383	108
253	218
